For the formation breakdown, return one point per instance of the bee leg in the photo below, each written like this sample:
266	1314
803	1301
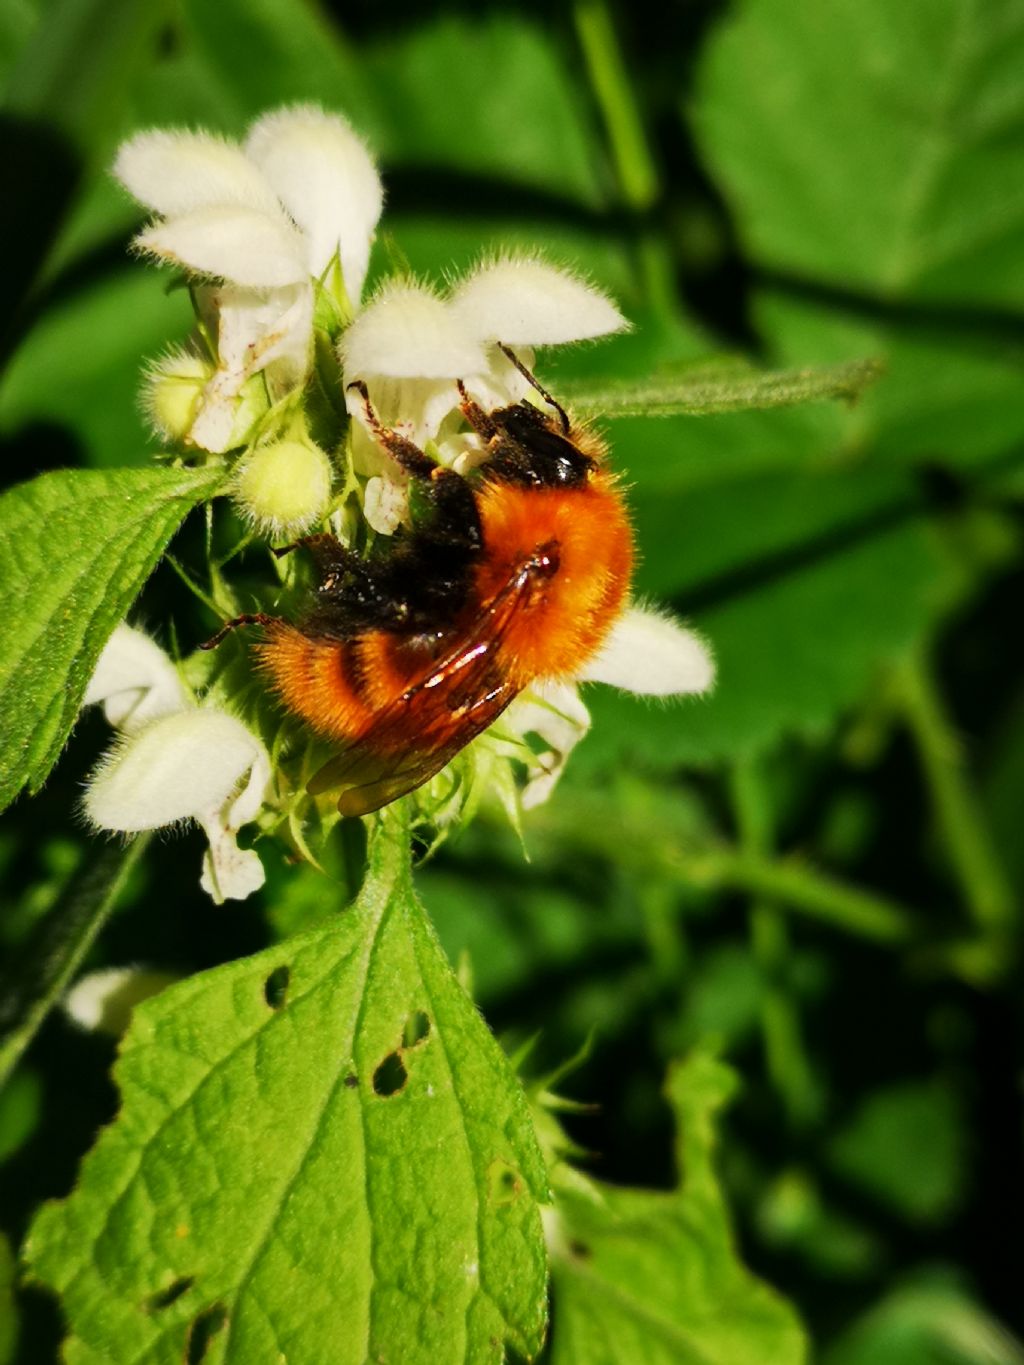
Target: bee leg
254	618
400	448
535	383
475	415
456	519
328	552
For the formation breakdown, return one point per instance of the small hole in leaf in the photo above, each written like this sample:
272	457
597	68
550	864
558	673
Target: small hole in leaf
503	1183
351	1080
163	1298
417	1029
202	1332
275	988
390	1076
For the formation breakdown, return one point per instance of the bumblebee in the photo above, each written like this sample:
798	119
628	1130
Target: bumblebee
511	574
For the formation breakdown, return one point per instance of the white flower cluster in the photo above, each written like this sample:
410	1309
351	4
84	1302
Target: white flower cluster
263	223
271	233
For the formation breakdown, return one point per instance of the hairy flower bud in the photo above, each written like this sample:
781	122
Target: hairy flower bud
173	388
283	488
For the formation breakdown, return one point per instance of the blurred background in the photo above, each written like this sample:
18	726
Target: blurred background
819	869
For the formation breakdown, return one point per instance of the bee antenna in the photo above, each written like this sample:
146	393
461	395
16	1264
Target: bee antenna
253	618
535	383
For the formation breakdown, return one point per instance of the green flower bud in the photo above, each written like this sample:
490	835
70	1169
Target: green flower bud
283	488
173	388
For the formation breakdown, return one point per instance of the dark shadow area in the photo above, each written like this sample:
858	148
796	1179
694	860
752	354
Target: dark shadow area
42	173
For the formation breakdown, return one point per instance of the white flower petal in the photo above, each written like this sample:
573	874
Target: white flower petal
135	680
182	766
503	383
258	326
258	330
103	1001
327	180
385	504
651	654
232	242
229	873
414	407
246	805
522	301
407	332
174	171
554	712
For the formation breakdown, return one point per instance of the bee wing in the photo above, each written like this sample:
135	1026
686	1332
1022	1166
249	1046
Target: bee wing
464	691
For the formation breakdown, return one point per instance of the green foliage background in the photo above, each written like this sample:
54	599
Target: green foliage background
816	872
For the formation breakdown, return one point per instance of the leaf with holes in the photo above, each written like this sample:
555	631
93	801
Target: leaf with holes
322	1154
76	546
654	1277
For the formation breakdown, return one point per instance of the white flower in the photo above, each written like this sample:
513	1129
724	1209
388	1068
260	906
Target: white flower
409	346
177	762
267	219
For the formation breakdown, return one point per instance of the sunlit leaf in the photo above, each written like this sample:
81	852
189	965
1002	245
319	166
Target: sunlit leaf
654	1277
321	1152
76	547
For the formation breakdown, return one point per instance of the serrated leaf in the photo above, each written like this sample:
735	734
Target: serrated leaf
76	546
322	1154
654	1277
886	155
705	390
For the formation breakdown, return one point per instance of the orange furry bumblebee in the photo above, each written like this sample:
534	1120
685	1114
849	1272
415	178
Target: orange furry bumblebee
512	574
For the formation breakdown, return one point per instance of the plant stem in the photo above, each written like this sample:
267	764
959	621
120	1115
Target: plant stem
634	165
45	969
965	835
785	1056
798	887
650	843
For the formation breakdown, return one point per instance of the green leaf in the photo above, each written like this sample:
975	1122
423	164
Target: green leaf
77	66
732	388
805	586
930	1320
535	136
321	1153
907	1146
76	546
63	102
80	365
949	396
43	970
654	1277
885	155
